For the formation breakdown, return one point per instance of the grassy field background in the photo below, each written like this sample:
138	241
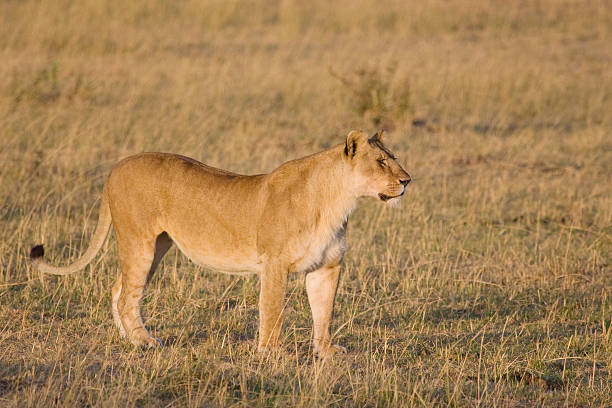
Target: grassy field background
489	286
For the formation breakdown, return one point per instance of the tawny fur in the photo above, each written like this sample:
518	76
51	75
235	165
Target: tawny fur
290	220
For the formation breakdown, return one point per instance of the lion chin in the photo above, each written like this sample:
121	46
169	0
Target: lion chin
391	201
394	202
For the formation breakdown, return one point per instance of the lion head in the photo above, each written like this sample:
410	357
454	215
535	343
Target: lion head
376	171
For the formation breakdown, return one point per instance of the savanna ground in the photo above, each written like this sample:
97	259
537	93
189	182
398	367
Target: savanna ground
490	285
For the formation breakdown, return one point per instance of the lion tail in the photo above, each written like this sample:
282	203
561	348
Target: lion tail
99	236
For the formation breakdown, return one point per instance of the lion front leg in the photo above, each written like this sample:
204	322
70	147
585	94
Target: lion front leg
321	287
271	305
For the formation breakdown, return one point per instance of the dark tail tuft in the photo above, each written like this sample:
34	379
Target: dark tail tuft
37	252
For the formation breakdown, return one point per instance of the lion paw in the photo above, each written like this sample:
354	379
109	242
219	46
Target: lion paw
146	340
324	352
270	349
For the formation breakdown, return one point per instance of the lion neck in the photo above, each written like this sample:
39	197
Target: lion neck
332	183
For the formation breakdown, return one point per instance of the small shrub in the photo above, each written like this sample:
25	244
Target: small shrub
378	94
47	87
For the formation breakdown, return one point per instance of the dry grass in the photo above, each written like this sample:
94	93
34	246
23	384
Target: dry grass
489	287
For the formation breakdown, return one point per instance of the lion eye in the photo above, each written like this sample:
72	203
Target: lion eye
382	162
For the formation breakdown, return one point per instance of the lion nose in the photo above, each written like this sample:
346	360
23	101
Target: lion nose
405	181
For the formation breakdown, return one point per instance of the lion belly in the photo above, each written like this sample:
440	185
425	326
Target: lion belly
228	261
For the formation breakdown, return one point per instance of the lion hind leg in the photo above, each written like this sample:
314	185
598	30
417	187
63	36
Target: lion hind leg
136	261
162	244
116	292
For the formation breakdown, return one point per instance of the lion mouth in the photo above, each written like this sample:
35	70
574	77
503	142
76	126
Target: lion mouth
386	198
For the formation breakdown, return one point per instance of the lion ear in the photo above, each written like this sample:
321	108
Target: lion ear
378	136
354	139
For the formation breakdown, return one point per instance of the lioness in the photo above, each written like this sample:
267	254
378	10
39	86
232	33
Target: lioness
290	220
